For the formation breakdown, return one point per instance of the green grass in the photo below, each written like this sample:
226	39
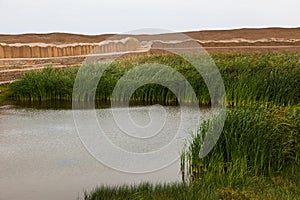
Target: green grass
3	94
248	79
256	141
218	187
49	84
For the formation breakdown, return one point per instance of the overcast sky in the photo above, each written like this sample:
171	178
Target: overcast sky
118	16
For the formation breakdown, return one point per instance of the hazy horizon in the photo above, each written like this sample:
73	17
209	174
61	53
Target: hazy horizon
116	16
108	33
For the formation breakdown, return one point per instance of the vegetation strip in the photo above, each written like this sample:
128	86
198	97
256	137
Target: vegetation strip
248	79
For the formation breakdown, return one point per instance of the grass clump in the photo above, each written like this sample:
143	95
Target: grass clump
255	141
261	78
3	93
48	84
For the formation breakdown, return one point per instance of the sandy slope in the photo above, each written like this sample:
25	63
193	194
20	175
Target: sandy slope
248	34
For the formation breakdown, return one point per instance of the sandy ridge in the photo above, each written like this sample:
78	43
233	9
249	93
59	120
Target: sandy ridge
245	33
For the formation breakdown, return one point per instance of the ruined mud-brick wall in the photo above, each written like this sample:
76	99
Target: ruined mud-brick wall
37	50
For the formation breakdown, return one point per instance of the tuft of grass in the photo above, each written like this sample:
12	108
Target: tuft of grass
256	141
3	93
48	84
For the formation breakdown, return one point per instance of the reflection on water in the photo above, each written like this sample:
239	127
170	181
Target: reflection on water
42	157
67	105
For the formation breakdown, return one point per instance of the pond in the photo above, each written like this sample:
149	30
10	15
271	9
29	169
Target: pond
43	157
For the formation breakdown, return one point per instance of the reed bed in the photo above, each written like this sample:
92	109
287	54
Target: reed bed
255	141
248	79
48	84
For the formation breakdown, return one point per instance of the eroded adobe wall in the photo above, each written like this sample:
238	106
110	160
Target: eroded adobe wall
48	50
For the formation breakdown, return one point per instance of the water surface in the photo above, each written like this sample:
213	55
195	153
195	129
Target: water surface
42	157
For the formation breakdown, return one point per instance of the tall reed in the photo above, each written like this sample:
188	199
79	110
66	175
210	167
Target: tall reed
254	141
48	84
248	79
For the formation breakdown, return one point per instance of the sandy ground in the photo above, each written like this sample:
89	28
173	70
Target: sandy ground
216	41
